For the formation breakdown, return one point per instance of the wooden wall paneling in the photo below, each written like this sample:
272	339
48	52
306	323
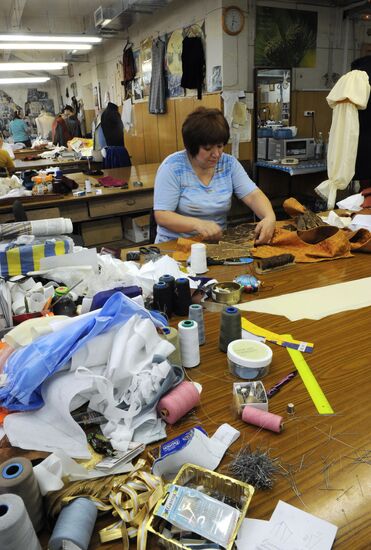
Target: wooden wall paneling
167	131
134	139
211	101
311	101
183	106
89	117
150	131
245	152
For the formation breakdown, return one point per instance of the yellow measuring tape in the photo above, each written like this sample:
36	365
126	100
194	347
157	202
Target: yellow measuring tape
314	389
286	340
295	349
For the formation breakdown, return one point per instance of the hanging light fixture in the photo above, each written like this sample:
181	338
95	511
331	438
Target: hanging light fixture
43	46
25	80
33	66
50	38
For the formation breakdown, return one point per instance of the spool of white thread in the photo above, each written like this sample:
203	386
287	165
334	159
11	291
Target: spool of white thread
198	258
16	529
189	343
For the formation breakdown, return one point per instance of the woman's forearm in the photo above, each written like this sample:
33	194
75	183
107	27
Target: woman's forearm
187	224
259	204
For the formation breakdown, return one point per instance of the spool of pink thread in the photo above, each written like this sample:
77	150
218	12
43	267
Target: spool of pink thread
178	402
263	419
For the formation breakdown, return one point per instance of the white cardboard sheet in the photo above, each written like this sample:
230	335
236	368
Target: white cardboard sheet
315	303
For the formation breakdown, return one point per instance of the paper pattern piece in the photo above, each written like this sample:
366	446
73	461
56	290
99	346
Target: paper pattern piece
315	303
288	529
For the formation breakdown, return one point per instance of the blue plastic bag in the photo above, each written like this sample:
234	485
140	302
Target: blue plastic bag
28	367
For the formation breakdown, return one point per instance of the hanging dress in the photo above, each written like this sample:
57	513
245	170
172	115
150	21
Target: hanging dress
193	64
156	103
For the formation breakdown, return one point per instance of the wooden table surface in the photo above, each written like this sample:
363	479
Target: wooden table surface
325	459
40	164
28	152
144	173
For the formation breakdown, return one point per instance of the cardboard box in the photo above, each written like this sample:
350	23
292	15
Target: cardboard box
101	231
137	229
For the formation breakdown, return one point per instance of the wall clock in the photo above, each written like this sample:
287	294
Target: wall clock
233	20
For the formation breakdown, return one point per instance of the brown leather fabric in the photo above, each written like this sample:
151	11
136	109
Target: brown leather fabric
293	207
334	244
360	240
316	245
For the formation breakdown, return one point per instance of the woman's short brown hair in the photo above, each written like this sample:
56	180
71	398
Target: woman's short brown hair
204	127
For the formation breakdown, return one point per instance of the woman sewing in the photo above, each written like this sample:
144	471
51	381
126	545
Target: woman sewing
194	187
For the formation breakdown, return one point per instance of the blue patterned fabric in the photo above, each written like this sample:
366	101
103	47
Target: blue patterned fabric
116	157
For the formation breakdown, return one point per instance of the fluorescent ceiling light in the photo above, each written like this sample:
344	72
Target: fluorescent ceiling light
43	46
49	38
24	80
105	22
36	66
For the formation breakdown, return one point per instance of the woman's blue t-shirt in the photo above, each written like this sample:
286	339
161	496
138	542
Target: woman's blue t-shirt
18	129
178	189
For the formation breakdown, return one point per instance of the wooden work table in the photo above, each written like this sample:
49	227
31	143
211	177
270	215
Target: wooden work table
325	459
43	164
28	152
98	217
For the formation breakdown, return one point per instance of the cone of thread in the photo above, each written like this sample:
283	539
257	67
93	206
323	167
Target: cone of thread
230	327
17	477
196	313
171	335
189	346
163	298
182	296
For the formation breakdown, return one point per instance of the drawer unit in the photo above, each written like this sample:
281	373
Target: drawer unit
133	202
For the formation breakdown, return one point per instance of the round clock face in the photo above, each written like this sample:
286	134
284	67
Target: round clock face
233	20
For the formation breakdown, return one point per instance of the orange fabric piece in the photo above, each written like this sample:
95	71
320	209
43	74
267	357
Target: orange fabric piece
334	245
183	248
3	413
293	207
316	245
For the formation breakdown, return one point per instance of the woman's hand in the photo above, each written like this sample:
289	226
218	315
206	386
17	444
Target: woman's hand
209	231
264	230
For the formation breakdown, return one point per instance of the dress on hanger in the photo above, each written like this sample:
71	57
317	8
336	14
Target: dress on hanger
193	64
156	103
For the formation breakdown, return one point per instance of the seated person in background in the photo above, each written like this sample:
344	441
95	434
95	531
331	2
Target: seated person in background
6	163
60	133
19	130
194	187
71	121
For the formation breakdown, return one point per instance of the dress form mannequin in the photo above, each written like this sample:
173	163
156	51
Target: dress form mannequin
44	125
81	117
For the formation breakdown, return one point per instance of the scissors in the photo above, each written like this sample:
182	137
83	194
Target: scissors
149	250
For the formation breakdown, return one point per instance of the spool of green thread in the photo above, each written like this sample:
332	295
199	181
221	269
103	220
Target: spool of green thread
230	327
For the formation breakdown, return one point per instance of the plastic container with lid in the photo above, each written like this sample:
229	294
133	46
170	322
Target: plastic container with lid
249	359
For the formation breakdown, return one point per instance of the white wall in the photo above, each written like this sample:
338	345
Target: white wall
178	14
235	54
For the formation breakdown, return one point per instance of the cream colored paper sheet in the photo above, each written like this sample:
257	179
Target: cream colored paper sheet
316	303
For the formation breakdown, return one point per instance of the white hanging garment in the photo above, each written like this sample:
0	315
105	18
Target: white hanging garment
350	93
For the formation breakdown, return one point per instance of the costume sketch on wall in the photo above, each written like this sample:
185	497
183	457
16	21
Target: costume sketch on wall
215	80
7	109
174	63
